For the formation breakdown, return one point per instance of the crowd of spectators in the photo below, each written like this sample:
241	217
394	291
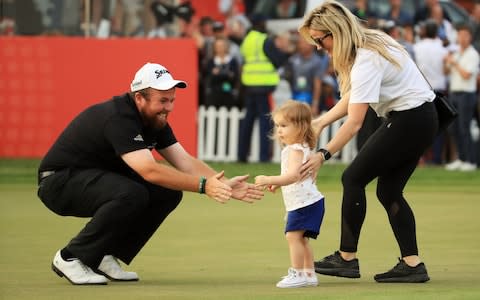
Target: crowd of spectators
307	71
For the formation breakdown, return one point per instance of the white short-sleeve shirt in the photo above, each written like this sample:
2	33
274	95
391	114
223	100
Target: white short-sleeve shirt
384	86
429	55
468	61
302	193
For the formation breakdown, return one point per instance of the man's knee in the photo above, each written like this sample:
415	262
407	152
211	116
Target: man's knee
166	199
176	198
133	197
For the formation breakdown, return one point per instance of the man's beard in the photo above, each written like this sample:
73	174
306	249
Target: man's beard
157	121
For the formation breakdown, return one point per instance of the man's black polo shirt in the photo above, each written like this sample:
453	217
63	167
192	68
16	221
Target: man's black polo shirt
99	135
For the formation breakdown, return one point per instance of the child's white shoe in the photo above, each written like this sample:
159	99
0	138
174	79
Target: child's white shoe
312	279
294	279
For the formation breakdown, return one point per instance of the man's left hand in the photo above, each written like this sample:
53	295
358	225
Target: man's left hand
244	191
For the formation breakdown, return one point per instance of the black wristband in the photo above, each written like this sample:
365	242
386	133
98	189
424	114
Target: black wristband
326	154
201	185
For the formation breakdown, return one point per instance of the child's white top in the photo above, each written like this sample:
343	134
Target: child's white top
302	193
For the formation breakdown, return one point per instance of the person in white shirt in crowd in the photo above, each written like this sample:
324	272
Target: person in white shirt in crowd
463	68
446	31
430	57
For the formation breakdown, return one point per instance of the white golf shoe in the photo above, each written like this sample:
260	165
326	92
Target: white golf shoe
110	267
294	279
75	271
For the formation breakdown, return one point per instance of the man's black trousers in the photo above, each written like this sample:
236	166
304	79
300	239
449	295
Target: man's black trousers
125	211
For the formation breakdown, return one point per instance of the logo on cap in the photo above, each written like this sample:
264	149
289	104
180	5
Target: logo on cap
161	72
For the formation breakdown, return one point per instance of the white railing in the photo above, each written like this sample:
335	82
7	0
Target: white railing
218	137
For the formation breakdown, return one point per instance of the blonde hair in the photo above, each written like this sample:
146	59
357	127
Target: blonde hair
349	35
300	115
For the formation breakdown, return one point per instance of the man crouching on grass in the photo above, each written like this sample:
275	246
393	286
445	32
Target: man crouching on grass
101	166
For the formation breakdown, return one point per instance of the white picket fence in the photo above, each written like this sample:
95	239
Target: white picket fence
218	137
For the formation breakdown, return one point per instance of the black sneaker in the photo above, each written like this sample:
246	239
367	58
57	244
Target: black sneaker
404	273
335	265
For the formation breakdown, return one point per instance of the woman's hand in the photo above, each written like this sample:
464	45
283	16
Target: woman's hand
311	166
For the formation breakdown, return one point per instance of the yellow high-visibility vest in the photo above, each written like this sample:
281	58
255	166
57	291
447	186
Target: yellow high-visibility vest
257	69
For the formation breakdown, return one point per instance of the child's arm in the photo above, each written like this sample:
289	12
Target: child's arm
291	176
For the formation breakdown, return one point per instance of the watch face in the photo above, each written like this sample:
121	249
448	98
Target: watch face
326	154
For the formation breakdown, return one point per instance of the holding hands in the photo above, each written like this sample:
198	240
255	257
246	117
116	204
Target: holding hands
236	187
244	191
263	182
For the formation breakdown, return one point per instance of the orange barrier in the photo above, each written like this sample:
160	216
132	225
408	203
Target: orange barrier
46	81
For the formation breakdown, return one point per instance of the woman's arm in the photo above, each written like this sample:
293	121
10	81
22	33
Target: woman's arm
335	113
351	126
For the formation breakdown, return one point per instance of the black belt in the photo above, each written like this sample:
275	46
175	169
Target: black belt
45	174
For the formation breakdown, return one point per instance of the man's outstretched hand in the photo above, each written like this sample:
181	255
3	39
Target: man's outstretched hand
244	191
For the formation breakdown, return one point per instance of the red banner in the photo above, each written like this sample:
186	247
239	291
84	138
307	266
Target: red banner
47	81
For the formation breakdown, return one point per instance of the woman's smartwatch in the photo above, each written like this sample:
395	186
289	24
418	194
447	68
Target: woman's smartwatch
325	153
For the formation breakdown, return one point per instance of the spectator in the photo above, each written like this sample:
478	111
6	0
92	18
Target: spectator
475	19
446	32
231	8
222	74
361	11
463	68
430	55
219	32
204	36
287	9
163	19
128	18
262	57
238	27
397	14
205	32
397	32
7	19
329	95
305	70
425	11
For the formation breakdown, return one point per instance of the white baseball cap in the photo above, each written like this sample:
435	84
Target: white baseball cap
155	76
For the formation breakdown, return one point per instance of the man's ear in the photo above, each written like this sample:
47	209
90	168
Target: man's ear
138	97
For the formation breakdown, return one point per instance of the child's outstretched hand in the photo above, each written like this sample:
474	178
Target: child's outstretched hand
261	180
264	182
273	188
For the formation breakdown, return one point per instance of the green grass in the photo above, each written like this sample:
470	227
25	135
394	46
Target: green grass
206	250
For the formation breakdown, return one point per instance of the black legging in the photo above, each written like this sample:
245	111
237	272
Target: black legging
391	154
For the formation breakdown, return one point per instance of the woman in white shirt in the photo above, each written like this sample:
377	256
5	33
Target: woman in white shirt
373	70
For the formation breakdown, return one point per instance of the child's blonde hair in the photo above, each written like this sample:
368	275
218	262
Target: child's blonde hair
300	115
